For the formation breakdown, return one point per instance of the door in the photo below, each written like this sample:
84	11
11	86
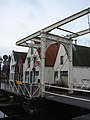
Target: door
64	77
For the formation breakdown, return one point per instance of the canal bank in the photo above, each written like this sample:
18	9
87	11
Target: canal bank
54	111
14	107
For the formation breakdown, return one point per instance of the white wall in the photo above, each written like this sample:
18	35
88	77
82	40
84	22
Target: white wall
57	65
49	75
25	65
81	77
12	67
65	66
49	71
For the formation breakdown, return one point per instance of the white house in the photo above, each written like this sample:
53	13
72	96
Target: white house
12	66
57	65
28	66
81	66
16	65
32	67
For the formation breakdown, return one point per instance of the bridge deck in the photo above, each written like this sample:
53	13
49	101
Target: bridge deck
79	99
70	100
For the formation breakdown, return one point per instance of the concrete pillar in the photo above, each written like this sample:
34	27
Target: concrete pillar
43	49
70	77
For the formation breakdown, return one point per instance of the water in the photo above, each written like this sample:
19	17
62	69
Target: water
52	111
2	115
57	111
63	113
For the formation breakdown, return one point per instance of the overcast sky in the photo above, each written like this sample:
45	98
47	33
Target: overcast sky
20	18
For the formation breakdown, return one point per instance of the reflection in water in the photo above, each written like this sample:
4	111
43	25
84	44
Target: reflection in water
2	115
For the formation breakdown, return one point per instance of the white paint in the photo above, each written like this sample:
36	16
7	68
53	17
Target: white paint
49	71
65	65
25	65
12	67
49	75
81	77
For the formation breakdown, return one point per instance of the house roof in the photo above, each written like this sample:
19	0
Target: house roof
51	54
17	55
81	55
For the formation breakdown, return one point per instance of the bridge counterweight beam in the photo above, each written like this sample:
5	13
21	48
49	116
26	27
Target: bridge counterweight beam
43	50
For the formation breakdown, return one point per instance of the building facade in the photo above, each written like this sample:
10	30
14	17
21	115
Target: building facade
57	66
16	65
33	62
81	66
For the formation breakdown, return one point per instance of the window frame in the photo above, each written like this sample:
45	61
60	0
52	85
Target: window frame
61	60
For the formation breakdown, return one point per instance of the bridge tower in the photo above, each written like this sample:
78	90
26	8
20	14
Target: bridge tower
45	38
44	45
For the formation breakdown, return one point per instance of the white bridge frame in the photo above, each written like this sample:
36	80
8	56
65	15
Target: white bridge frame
44	35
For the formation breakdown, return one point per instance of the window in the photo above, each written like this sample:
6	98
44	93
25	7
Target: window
28	61
37	73
61	60
12	67
26	72
64	73
35	58
64	78
27	76
56	74
32	51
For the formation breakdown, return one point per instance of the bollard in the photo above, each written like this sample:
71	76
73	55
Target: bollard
11	99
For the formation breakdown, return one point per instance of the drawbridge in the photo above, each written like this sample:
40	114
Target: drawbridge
44	38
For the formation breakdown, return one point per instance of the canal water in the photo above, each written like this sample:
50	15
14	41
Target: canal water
57	111
2	115
53	111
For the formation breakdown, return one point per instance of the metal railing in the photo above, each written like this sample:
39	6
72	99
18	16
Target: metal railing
82	84
67	89
30	90
33	90
74	93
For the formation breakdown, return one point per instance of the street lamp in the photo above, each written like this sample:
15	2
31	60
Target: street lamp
0	69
